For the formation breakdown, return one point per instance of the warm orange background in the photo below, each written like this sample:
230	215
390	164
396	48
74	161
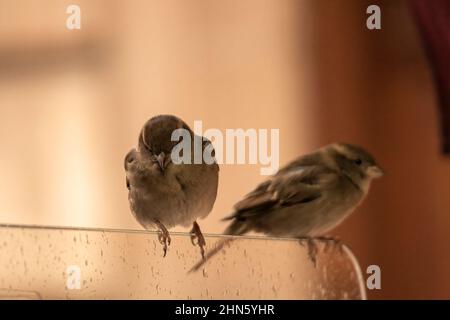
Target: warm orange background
72	104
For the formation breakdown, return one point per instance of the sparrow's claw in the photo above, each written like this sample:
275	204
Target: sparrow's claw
163	236
160	237
164	249
193	237
312	249
335	243
196	233
164	240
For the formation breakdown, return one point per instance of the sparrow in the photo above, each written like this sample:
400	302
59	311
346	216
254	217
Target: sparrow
164	193
306	198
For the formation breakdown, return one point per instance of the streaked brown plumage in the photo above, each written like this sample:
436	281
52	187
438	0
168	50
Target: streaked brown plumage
308	197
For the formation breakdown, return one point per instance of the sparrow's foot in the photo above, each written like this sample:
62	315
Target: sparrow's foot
196	233
163	236
312	249
331	242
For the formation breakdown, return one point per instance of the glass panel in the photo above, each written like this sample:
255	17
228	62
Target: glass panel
69	263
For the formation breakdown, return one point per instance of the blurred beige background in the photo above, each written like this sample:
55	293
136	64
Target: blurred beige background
72	104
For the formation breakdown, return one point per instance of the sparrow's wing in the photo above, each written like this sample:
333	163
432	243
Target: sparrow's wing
206	150
207	144
261	197
310	160
304	184
299	185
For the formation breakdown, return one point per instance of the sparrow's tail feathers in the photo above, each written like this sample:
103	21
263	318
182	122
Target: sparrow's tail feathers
230	217
237	228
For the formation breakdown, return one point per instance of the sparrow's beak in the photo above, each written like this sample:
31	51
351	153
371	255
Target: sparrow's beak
162	160
375	171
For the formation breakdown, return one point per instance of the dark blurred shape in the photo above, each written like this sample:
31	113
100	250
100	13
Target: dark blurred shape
433	20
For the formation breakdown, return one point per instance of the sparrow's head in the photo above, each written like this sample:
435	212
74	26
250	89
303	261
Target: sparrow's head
155	140
355	162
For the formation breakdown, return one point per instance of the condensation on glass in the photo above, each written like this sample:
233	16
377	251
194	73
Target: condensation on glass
70	263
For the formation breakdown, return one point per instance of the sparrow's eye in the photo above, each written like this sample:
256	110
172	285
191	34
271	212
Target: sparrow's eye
358	162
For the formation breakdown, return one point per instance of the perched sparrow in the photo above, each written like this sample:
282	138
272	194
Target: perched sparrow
163	194
308	197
